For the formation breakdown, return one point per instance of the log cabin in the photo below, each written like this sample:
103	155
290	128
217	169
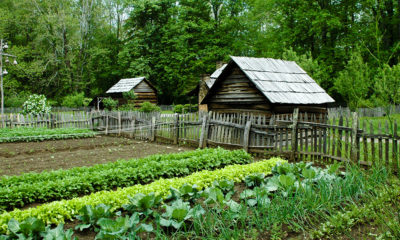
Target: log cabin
264	86
144	90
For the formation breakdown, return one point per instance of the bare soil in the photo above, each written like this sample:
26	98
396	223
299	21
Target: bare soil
18	158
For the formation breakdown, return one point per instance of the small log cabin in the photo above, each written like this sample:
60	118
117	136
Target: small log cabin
144	90
264	86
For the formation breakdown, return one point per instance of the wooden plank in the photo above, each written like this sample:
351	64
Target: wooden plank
176	128
340	136
365	143
387	163
372	140
246	136
394	149
294	140
354	147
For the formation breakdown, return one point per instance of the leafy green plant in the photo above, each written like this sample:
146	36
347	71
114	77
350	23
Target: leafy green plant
89	215
179	212
121	228
36	104
143	204
149	107
58	233
130	95
185	192
109	103
254	180
31	228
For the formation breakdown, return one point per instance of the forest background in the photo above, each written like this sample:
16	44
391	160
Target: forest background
82	47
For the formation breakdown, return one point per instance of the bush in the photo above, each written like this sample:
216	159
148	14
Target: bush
15	101
187	108
127	107
36	104
129	95
149	107
110	103
75	100
178	108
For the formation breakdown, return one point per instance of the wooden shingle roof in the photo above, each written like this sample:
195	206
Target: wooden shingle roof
280	81
125	85
214	76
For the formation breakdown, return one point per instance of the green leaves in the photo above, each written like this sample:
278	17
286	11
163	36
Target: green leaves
143	203
89	215
178	212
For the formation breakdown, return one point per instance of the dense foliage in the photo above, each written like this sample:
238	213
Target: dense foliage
59	211
18	191
31	134
67	46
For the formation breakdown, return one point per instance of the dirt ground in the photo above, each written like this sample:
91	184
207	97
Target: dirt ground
17	158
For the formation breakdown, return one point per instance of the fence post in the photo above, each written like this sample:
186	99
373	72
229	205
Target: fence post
204	132
52	121
246	136
107	124
176	128
354	132
119	124
153	129
294	133
133	122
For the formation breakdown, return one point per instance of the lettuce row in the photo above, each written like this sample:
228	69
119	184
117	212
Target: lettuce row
59	211
48	186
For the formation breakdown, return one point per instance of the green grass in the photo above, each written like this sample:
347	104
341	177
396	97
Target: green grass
42	133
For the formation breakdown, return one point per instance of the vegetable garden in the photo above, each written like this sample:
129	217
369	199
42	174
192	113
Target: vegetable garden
209	193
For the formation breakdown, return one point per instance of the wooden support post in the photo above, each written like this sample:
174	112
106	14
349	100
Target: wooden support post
354	136
119	124
204	132
246	136
133	122
294	133
153	129
106	124
52	121
176	129
394	149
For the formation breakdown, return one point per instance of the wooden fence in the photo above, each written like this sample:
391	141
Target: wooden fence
52	120
295	136
364	112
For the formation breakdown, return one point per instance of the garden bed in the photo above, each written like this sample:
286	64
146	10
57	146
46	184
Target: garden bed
23	157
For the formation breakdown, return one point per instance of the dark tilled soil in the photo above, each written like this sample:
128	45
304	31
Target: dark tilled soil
17	158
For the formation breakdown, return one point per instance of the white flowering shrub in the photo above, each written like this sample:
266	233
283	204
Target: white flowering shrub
36	104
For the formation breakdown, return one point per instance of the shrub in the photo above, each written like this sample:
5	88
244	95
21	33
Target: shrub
36	104
127	107
149	107
187	108
75	100
129	95
110	103
15	101
178	108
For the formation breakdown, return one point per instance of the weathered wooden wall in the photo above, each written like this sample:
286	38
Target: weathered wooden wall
145	93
